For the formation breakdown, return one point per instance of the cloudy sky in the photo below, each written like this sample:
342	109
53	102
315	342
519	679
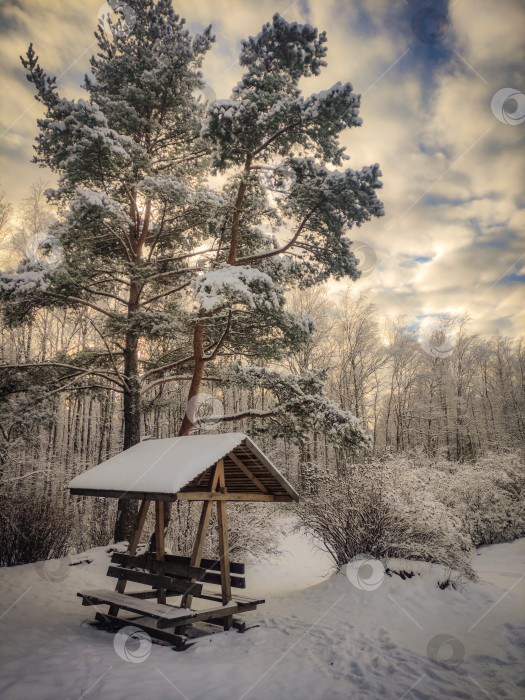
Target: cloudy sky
452	238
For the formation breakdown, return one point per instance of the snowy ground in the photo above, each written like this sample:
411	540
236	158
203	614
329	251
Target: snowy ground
319	637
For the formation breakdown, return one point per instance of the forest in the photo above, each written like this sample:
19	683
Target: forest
443	410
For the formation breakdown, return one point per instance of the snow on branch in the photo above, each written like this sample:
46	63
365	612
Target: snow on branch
302	404
23	282
236	284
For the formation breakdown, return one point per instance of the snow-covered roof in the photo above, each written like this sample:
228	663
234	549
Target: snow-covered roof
183	465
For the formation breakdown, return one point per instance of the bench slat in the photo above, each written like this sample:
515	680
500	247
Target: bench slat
166	567
210	564
148	593
156	580
203	615
235	581
241	600
141	607
166	615
177	568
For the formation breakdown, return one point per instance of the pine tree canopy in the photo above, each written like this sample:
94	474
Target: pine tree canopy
183	224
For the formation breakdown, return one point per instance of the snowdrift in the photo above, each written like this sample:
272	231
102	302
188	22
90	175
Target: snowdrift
318	636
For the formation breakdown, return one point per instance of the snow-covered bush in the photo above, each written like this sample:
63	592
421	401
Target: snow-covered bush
95	524
34	526
253	531
411	506
384	509
487	495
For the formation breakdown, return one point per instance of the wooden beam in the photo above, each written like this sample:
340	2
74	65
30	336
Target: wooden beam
135	495
185	496
176	565
248	473
224	552
139	526
146	624
159	541
201	477
202	530
217	496
132	547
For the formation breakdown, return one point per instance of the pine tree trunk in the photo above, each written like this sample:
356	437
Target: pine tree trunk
187	420
127	509
198	373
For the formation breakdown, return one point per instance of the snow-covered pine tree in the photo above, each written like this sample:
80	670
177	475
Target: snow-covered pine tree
284	223
162	262
128	160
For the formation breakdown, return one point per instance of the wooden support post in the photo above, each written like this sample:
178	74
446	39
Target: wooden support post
132	547
141	519
159	537
202	530
224	553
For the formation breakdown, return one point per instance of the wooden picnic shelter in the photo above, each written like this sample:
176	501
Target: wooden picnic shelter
213	469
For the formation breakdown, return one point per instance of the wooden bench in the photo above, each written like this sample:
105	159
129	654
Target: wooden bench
165	615
176	577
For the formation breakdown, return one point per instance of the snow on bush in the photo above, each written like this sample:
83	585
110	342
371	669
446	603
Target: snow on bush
487	495
34	527
253	531
411	507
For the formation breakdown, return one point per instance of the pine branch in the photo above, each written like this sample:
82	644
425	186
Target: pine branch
103	294
162	275
168	367
221	341
165	294
270	140
250	413
82	302
93	372
111	357
270	254
165	380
